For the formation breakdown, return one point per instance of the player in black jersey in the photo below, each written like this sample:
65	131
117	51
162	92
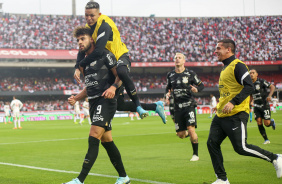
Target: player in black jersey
180	85
261	100
101	82
106	35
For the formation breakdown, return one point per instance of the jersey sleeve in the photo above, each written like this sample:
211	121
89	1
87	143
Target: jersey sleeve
110	60
168	86
265	83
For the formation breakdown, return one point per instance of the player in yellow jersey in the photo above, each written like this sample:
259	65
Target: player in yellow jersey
235	88
106	35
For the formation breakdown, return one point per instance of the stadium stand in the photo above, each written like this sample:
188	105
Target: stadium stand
154	39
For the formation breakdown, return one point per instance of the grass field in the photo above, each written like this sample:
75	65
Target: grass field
51	152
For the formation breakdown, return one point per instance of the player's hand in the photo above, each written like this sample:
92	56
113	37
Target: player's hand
268	98
167	97
77	75
110	92
71	100
214	110
194	89
228	108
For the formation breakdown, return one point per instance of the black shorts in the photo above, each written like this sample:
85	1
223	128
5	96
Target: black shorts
124	61
263	112
102	112
185	117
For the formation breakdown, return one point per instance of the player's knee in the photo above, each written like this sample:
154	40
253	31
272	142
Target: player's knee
122	72
181	135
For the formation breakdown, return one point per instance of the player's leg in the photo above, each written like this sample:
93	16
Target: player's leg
267	118
123	73
236	130
15	119
216	136
191	123
5	119
114	156
19	121
258	117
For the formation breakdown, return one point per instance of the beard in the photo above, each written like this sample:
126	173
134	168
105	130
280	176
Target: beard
86	48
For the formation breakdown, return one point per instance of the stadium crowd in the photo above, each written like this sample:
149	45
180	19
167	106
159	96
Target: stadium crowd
142	82
154	39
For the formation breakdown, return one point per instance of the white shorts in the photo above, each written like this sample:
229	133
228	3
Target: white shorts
86	112
16	113
7	113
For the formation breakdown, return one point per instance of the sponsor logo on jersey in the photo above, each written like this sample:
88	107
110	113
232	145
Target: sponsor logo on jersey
97	118
257	87
111	62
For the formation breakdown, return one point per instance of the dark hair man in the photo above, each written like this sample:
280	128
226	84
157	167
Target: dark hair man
232	113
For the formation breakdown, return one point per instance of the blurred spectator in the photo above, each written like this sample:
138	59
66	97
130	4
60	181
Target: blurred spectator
154	39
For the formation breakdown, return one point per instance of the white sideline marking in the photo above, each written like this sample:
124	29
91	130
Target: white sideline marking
74	172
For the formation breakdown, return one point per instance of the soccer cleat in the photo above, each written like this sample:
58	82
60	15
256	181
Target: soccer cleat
278	166
15	128
160	110
220	181
142	113
266	142
74	181
20	127
273	125
194	158
123	180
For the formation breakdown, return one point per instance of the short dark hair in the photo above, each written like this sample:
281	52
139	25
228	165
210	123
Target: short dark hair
253	69
92	5
228	43
81	30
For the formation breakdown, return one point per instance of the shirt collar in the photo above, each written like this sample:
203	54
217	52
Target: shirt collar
227	61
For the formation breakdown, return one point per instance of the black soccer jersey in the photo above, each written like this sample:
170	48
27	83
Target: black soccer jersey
98	75
179	84
260	93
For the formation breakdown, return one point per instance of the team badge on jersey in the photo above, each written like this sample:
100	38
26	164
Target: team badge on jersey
185	80
257	87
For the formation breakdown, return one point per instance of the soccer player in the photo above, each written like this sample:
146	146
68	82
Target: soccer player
274	103
261	99
101	83
85	107
16	105
7	112
180	85
76	112
212	104
235	88
106	35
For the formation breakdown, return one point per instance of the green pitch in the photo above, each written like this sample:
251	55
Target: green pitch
52	152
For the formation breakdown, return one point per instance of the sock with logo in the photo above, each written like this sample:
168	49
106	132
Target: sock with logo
90	158
195	148
115	157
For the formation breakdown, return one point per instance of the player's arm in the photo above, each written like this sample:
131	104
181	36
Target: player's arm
104	34
272	89
111	64
79	96
199	85
242	77
168	88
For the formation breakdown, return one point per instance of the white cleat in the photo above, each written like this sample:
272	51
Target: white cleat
278	166
220	181
194	158
266	142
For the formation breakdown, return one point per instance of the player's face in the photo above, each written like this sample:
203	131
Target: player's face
179	60
91	16
84	42
222	52
253	74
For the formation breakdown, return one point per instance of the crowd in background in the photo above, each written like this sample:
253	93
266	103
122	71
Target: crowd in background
154	39
142	82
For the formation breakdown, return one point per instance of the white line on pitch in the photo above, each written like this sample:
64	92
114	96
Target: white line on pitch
74	172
